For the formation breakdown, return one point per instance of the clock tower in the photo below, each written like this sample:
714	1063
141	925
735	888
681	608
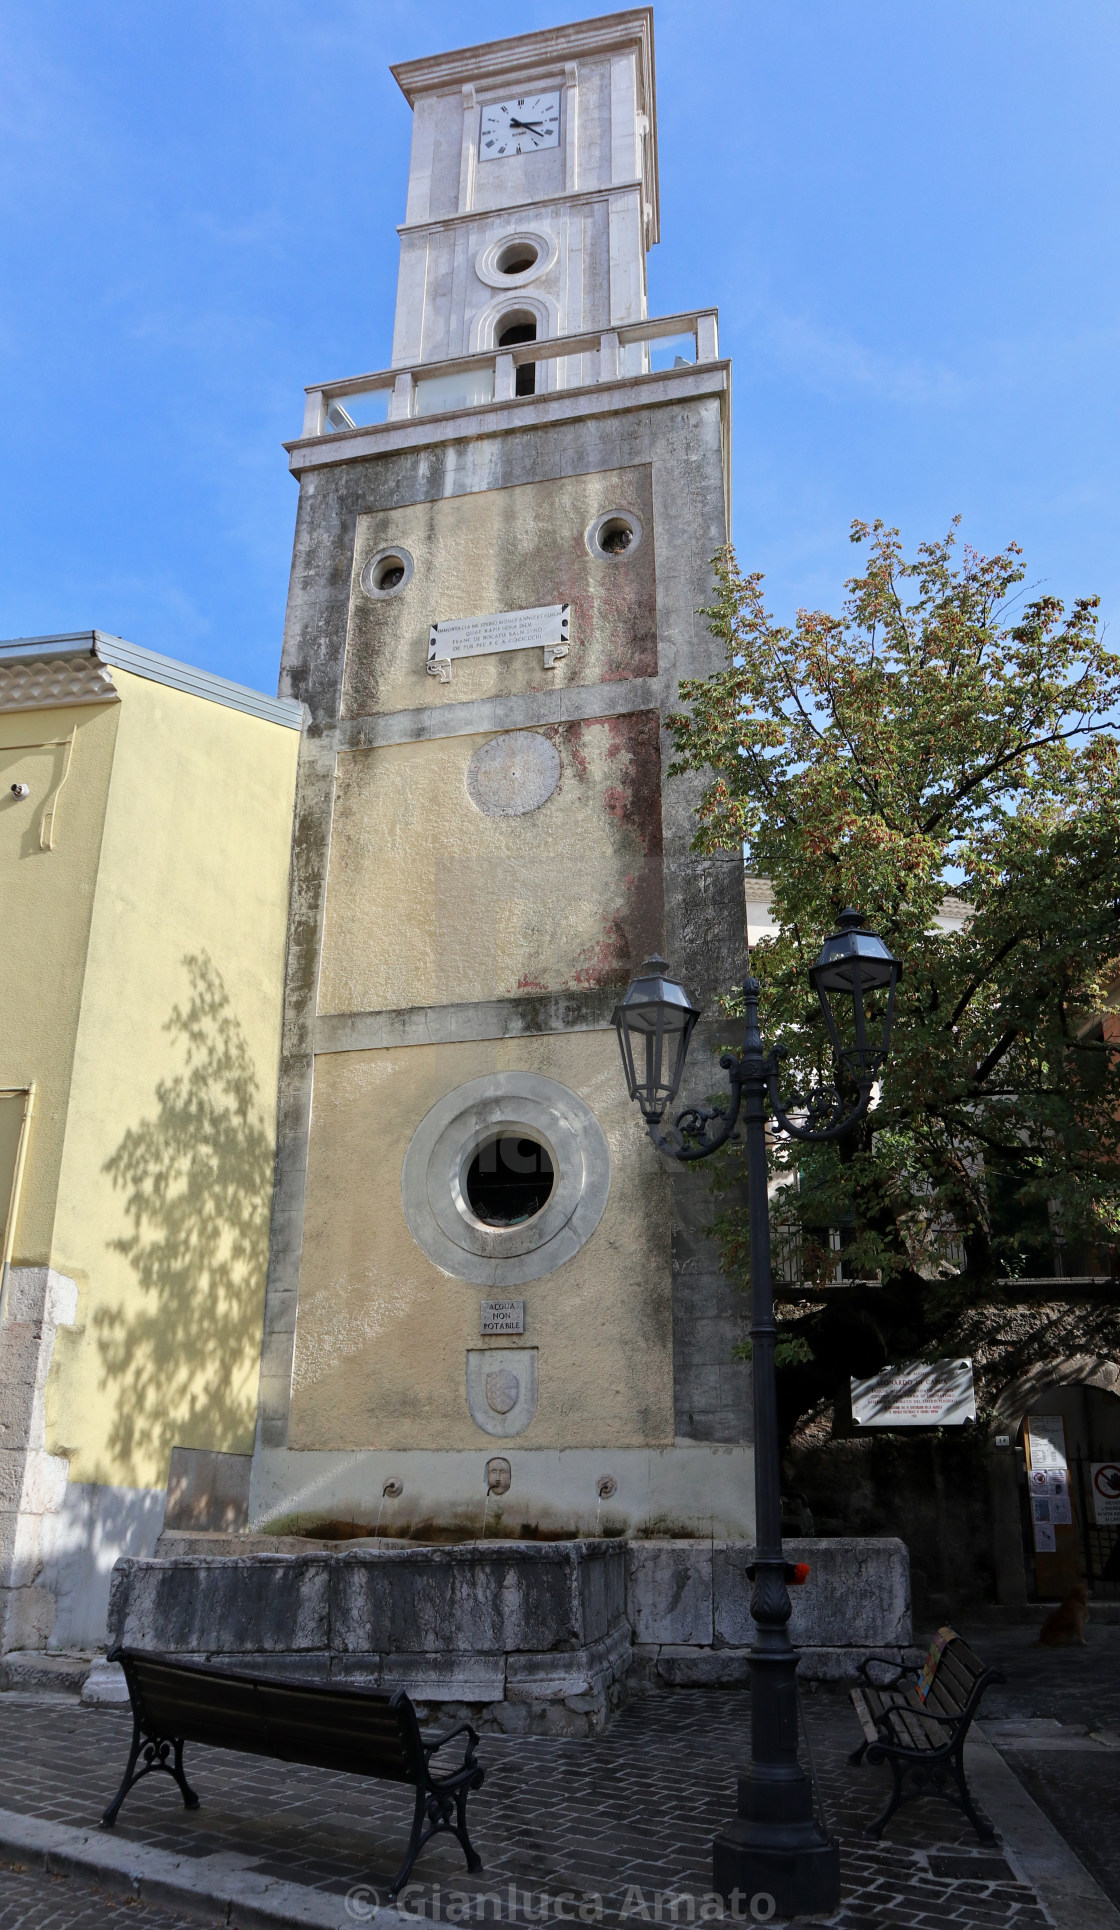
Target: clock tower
491	1311
532	188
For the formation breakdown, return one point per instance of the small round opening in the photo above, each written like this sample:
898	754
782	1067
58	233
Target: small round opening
509	1179
517	259
615	534
390	573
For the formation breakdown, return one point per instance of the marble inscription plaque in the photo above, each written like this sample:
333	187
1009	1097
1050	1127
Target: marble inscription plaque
546	627
503	1317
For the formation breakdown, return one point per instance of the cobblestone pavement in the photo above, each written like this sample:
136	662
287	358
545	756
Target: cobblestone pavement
1078	1787
627	1819
32	1900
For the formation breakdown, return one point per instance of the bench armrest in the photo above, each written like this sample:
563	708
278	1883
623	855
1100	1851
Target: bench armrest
431	1745
884	1662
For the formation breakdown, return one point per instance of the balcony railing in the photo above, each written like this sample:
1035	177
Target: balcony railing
472	381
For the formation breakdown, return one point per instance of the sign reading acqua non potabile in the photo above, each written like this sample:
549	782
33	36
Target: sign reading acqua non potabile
938	1393
503	1317
546	628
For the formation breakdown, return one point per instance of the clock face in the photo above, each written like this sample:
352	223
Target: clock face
519	127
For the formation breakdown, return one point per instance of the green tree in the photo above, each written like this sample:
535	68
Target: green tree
941	735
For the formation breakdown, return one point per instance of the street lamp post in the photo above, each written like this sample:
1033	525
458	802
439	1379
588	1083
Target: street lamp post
773	1845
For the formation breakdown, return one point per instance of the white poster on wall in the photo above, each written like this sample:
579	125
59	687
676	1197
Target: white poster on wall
939	1393
1051	1485
1048	1440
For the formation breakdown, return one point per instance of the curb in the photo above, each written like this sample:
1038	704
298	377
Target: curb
208	1886
1040	1857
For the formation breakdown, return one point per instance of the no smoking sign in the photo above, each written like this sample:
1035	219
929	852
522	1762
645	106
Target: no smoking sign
1106	1493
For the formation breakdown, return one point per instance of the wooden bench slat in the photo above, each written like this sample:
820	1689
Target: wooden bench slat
969	1655
953	1673
944	1701
867	1720
914	1730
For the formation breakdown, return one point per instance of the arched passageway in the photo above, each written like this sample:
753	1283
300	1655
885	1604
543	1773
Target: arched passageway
1056	1493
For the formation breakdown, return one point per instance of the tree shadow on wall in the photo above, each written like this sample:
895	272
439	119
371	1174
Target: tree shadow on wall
197	1180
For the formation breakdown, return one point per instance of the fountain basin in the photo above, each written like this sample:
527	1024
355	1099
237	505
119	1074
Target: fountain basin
526	1637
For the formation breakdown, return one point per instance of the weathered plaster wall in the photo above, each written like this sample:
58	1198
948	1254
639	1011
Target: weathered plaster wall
351	1295
166	1171
504	548
48	898
382	1333
430	900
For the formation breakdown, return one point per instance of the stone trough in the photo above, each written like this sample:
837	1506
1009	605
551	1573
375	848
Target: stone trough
520	1635
526	1637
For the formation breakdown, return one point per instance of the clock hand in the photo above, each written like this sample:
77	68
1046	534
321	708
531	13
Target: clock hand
530	127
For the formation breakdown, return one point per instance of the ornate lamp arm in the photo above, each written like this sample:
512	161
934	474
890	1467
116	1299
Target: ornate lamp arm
692	1124
689	1137
817	1106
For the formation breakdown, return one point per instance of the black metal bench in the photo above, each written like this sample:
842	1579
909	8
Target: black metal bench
359	1730
920	1730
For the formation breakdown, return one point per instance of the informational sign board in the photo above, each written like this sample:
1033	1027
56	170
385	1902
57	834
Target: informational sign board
1106	1493
503	1317
939	1393
1048	1479
1050	1500
545	628
1047	1440
1045	1540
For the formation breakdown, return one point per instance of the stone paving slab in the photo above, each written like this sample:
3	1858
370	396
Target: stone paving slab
1065	1704
32	1898
215	1887
1039	1853
613	1829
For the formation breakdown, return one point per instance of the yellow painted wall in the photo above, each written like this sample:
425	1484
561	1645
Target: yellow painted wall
167	1167
382	1333
431	902
13	1107
504	549
48	898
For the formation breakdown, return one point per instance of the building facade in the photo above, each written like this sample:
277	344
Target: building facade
490	1308
145	825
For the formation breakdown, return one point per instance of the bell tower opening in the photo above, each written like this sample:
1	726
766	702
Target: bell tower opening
518	326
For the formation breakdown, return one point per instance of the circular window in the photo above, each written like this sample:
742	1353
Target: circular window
616	534
517	258
505	1179
387	573
509	1179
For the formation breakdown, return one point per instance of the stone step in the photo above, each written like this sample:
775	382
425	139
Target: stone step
38	1669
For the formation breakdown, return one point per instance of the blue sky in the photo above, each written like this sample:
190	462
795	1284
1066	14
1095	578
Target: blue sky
905	211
